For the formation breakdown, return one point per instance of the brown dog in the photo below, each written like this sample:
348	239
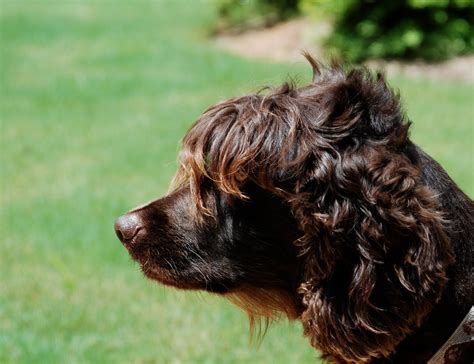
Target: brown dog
314	203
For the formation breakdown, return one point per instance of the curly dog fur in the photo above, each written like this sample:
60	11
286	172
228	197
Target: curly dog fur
314	203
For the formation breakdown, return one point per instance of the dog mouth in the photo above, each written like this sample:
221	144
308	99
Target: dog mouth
144	254
175	272
155	265
163	272
170	277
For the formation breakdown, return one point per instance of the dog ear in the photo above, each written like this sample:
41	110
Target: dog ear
374	252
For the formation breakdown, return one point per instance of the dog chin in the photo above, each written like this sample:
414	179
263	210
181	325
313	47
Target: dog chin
167	278
159	275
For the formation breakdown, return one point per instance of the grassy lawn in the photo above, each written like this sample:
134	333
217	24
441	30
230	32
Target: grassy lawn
94	98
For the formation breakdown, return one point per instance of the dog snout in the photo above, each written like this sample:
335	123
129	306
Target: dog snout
127	227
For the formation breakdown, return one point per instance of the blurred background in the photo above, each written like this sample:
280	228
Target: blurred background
94	98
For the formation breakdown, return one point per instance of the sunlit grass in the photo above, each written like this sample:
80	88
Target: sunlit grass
94	98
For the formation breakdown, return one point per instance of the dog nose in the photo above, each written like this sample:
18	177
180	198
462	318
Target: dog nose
127	226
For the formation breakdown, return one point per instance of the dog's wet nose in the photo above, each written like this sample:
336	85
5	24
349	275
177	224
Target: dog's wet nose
127	226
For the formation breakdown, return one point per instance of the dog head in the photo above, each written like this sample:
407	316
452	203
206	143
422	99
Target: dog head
303	201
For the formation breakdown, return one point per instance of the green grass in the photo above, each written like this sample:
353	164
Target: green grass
94	98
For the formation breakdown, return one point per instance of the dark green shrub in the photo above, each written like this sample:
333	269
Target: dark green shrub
429	29
238	15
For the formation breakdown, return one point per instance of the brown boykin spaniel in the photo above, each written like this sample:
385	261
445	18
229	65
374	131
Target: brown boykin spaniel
313	202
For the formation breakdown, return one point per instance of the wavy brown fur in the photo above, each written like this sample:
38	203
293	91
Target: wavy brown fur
373	245
313	203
